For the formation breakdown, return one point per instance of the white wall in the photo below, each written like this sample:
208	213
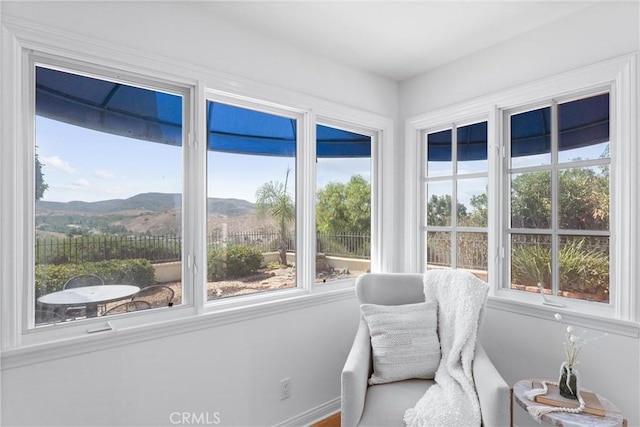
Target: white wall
599	32
189	31
522	346
233	369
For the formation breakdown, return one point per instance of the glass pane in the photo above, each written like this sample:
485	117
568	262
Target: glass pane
584	198
531	200
584	129
531	138
438	249
439	153
108	209
251	201
439	203
473	253
584	268
473	202
343	208
472	148
530	262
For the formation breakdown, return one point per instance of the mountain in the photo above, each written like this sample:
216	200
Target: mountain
146	202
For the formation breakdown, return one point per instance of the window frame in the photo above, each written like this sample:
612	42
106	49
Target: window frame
454	228
554	167
30	334
620	75
20	346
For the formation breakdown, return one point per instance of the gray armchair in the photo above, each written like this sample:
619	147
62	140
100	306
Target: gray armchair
385	404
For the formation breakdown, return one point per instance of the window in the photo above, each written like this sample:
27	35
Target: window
108	196
456	168
559	198
343	204
251	201
561	205
131	221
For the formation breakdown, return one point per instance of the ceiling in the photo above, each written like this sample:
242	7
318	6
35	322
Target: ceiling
394	39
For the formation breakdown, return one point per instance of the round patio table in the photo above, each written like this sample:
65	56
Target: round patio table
89	296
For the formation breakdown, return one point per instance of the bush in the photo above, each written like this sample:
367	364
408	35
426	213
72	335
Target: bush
582	270
240	261
52	277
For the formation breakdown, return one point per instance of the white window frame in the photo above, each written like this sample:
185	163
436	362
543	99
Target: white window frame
454	228
553	232
20	43
621	75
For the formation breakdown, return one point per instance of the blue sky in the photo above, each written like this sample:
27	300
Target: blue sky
82	164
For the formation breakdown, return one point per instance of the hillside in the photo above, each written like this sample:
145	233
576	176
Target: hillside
146	202
149	213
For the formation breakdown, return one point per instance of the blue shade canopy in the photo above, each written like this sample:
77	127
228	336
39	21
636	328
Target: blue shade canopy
472	144
109	107
581	123
239	130
155	116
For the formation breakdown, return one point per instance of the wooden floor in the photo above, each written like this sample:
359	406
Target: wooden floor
332	421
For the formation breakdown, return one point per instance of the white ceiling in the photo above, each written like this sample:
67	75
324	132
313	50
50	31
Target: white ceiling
394	39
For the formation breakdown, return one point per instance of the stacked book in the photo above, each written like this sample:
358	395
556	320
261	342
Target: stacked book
592	404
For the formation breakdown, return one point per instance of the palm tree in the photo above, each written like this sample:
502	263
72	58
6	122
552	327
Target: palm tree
274	200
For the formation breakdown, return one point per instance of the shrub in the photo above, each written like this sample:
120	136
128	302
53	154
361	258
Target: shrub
582	270
52	277
240	261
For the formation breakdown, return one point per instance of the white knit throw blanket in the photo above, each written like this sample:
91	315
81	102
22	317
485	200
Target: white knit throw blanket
452	400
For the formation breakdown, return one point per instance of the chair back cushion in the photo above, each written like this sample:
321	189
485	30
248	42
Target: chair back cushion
390	289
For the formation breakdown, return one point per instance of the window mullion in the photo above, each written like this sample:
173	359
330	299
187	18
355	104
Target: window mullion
555	199
454	197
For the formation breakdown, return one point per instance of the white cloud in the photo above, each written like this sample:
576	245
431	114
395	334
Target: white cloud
80	182
57	163
104	174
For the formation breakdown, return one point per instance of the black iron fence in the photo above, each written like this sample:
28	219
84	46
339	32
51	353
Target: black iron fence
159	249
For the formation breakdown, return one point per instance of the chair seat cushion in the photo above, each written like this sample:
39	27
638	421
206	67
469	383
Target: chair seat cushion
385	404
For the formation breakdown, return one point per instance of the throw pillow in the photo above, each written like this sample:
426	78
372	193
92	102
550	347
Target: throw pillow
404	341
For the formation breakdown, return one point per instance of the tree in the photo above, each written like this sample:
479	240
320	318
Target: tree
274	200
583	199
41	186
439	210
344	208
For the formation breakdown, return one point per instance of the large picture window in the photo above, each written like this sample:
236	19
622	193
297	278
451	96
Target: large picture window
145	197
108	190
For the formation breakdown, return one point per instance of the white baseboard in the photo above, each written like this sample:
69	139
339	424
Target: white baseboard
312	415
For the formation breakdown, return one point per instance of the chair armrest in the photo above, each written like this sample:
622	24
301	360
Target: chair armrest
493	392
355	376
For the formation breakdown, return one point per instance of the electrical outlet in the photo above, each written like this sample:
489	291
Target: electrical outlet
285	388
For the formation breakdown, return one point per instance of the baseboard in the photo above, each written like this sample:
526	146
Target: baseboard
312	415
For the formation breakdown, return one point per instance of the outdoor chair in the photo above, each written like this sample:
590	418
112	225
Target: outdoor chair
128	307
47	316
373	399
156	295
83	280
78	282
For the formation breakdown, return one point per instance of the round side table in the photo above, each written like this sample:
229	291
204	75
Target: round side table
612	416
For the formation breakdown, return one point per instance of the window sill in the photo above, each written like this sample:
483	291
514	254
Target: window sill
120	336
540	311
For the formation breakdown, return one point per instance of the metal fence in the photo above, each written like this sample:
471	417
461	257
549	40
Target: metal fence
158	249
